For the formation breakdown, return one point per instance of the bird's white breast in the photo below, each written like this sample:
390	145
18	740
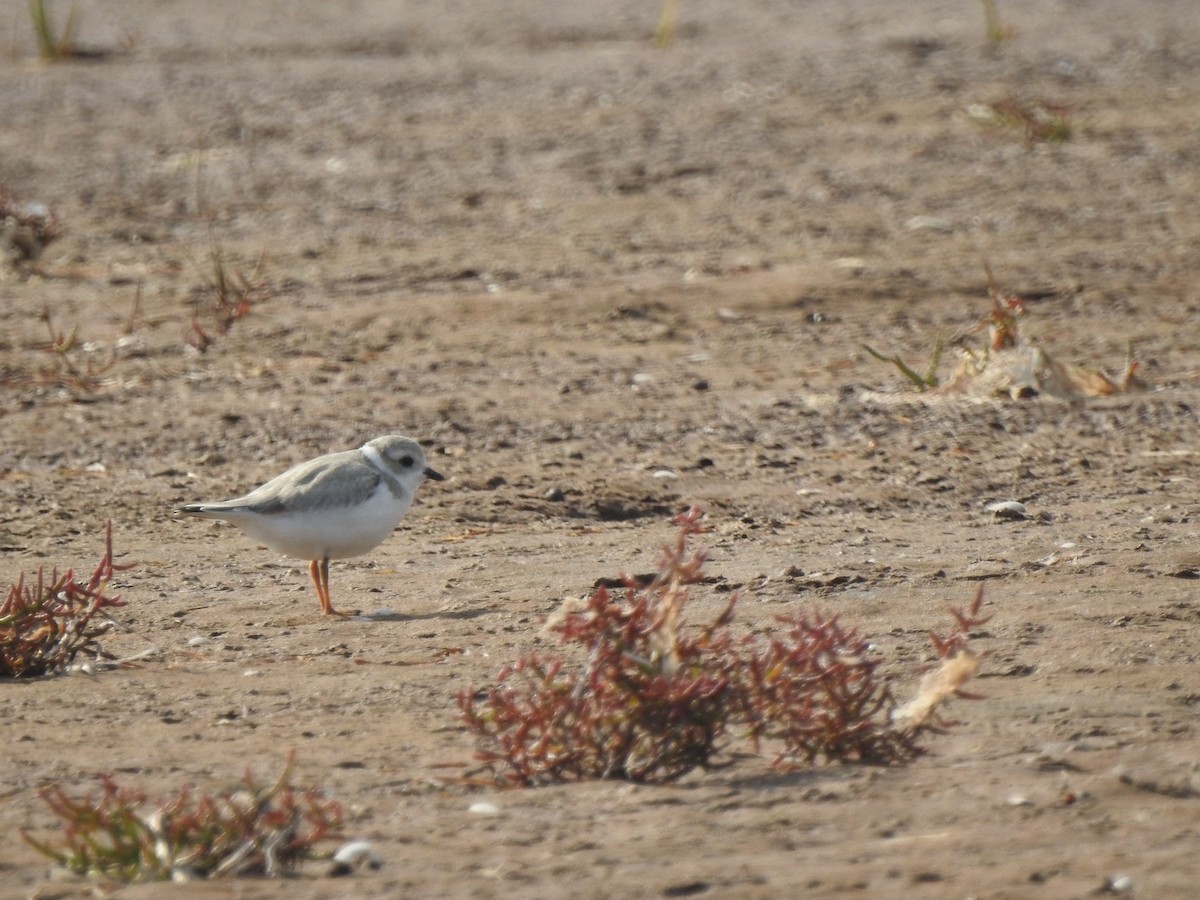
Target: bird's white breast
333	531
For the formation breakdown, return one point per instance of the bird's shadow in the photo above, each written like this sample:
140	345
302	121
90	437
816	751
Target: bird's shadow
390	615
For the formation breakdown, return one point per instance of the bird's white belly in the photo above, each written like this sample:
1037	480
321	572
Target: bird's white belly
333	532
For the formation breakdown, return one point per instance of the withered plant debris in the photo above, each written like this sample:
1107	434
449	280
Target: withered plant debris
253	829
921	381
226	296
996	30
1038	121
1008	366
70	366
46	621
650	698
957	665
52	47
67	363
26	229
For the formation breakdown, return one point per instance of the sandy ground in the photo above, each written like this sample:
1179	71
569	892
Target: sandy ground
566	260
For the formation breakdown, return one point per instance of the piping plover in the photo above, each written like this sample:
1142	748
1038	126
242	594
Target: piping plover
331	507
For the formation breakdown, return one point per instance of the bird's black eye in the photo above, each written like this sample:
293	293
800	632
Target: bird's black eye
406	461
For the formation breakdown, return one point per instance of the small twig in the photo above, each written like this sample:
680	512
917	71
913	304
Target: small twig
921	382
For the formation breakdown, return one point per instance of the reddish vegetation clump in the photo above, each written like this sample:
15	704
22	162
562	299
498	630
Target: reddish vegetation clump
45	622
652	699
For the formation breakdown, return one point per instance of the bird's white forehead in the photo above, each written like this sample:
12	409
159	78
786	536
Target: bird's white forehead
394	446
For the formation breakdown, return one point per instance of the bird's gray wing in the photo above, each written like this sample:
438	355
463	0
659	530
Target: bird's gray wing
328	482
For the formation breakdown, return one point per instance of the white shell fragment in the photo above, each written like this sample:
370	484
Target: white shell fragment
1118	884
353	856
929	223
854	264
1007	509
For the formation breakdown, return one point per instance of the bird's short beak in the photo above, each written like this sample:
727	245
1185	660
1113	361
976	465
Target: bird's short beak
436	476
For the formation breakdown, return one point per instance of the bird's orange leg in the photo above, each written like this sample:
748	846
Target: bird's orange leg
318	570
314	572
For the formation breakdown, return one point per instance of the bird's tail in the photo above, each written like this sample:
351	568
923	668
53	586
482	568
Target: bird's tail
198	509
